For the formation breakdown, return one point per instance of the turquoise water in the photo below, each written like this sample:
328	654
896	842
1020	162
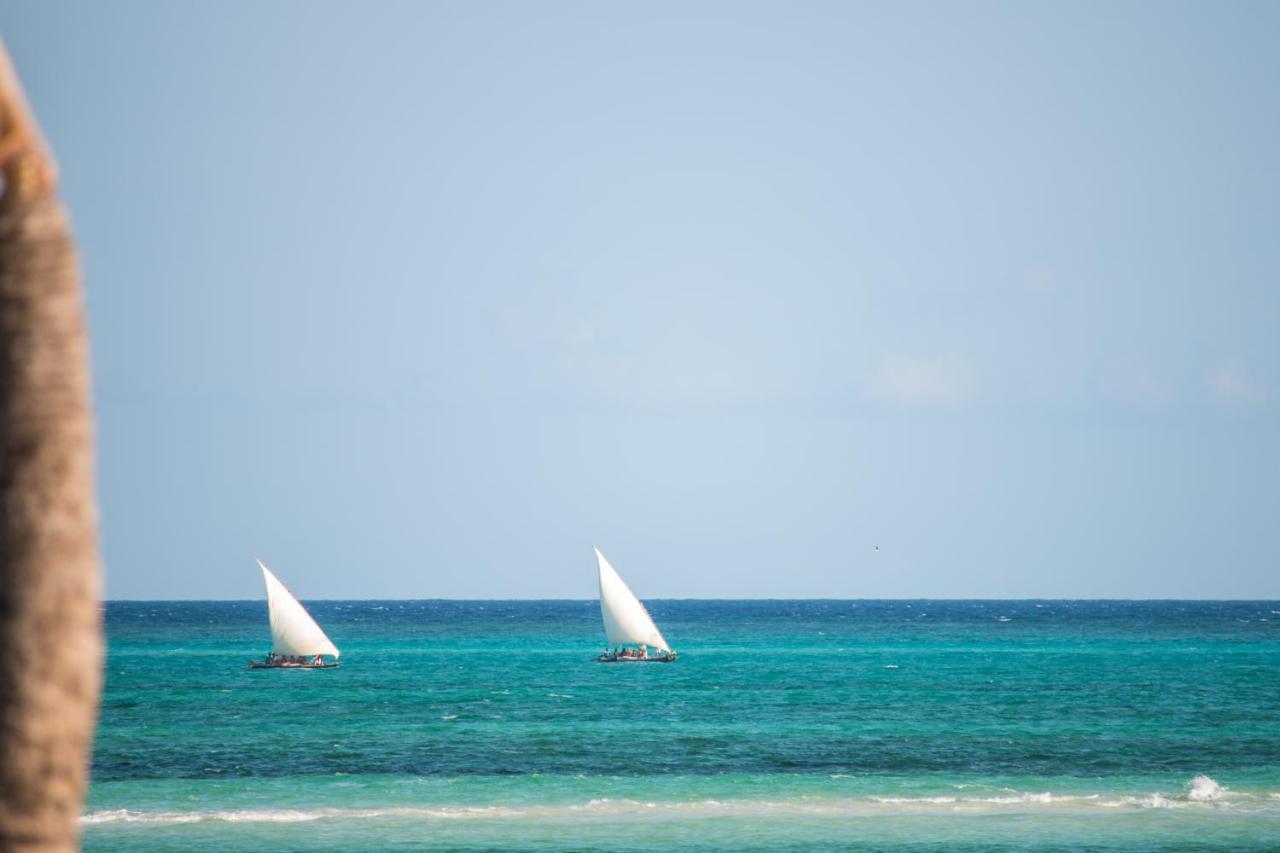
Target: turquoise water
784	725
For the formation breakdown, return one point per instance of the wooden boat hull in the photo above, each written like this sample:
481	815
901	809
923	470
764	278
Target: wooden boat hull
667	658
260	664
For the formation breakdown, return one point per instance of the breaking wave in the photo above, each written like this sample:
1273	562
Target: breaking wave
1202	789
1201	792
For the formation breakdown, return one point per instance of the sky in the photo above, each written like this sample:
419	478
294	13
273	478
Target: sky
424	300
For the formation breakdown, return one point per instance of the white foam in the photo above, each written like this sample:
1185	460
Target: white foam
126	816
1203	789
263	816
1202	792
1014	798
1152	801
297	815
1043	799
277	816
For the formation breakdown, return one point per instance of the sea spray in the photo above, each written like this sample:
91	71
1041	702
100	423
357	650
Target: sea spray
1203	789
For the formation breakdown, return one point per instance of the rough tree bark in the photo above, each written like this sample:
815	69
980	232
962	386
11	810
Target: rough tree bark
50	632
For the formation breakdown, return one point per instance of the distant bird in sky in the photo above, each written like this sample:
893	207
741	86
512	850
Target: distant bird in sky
877	547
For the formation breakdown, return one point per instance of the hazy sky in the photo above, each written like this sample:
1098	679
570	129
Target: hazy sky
424	300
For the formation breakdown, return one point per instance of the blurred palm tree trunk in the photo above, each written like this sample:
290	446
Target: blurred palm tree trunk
50	633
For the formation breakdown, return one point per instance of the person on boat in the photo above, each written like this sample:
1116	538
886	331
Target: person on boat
644	651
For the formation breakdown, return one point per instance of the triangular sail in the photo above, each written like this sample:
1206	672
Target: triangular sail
626	622
293	631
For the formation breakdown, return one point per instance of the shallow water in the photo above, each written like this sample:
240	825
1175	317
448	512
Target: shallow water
784	725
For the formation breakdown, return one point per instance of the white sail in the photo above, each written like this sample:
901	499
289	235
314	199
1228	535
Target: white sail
293	631
626	622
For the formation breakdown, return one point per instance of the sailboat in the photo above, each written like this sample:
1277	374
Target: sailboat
627	624
296	640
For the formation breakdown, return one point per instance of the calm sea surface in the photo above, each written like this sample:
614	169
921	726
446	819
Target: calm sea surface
973	725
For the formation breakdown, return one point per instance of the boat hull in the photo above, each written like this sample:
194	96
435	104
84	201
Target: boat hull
259	664
669	657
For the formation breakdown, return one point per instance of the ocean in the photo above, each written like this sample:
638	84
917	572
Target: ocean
784	725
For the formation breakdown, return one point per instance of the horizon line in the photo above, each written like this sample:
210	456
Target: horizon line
662	598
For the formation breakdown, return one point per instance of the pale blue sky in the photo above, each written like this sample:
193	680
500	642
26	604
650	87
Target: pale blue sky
424	300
